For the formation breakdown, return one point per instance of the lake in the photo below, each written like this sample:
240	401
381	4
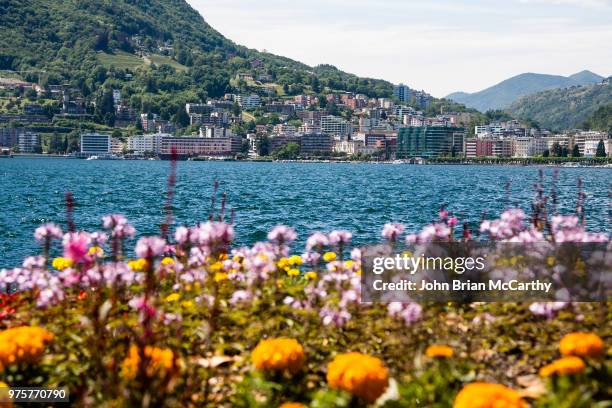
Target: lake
306	196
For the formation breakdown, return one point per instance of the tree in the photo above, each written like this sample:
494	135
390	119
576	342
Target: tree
546	153
556	150
263	146
575	151
287	152
601	149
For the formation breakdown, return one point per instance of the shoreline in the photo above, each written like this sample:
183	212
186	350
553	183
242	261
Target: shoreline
492	162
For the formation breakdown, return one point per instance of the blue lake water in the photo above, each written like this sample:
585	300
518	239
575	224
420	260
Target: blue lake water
306	196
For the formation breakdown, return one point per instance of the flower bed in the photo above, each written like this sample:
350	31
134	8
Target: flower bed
194	321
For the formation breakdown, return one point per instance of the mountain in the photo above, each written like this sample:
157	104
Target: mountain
586	77
503	94
159	53
566	108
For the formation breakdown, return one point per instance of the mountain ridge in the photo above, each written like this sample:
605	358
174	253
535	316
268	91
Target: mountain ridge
504	93
564	108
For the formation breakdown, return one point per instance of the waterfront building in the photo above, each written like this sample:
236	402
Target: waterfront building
200	146
478	148
582	138
95	144
312	143
28	142
141	144
278	141
429	141
8	136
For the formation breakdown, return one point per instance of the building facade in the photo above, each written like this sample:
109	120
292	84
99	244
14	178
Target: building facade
312	143
429	141
95	144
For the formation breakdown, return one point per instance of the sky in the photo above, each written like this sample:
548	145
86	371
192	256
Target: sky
440	46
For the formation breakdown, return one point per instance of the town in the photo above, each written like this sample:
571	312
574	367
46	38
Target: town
57	119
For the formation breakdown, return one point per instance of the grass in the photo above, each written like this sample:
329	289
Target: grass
120	59
163	60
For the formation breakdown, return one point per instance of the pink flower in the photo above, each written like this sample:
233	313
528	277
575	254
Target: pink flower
391	231
282	234
47	231
452	221
181	235
340	237
316	240
150	247
118	225
76	245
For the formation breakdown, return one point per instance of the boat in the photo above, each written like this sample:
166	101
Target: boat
92	158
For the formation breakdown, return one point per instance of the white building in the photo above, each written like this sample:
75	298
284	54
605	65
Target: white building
581	139
146	143
95	144
28	142
335	126
248	101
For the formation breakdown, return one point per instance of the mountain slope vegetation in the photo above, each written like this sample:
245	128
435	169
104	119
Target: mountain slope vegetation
155	51
566	108
503	94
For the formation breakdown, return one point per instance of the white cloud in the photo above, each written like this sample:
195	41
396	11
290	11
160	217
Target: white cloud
439	46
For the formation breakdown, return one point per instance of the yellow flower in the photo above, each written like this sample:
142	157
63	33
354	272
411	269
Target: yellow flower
283	263
550	261
138	265
280	283
359	374
173	297
486	395
349	264
24	344
292	405
563	366
293	272
188	304
216	266
582	345
161	361
439	351
329	256
4	396
96	251
220	276
280	354
61	263
295	260
311	275
167	261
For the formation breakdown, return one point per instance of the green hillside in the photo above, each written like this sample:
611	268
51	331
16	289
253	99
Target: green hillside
147	48
564	108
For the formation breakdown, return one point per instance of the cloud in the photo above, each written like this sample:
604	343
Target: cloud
575	3
468	46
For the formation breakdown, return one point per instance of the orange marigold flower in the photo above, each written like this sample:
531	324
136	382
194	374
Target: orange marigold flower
280	354
359	374
292	405
486	395
582	345
563	366
439	351
161	361
24	344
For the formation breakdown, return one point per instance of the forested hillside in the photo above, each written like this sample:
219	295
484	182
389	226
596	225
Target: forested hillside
155	51
566	108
